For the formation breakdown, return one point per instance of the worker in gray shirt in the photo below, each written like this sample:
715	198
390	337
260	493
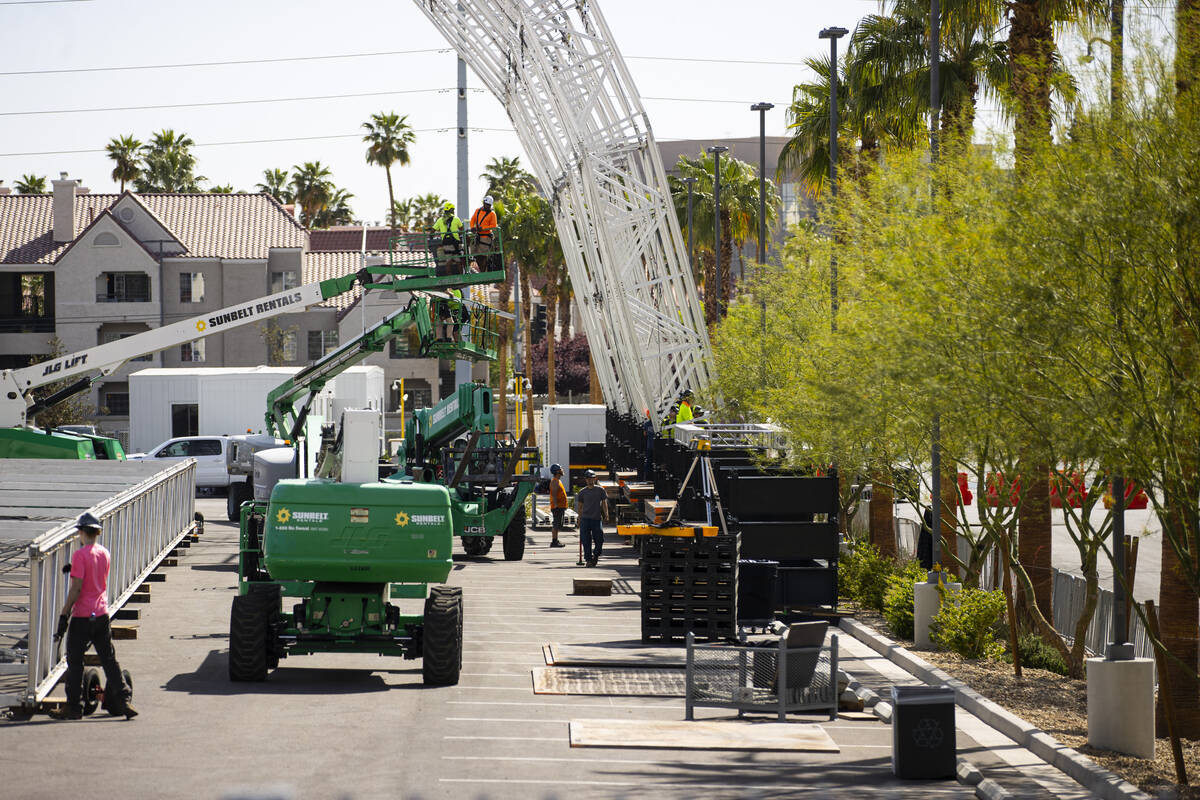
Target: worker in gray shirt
591	504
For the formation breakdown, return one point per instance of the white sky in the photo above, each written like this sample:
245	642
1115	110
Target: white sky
88	34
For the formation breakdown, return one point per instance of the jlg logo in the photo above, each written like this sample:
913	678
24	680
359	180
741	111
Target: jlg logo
66	363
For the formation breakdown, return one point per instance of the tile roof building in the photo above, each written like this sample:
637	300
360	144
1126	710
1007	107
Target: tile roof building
89	269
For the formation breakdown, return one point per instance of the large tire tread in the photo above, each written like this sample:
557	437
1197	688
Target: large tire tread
477	545
514	537
249	619
441	641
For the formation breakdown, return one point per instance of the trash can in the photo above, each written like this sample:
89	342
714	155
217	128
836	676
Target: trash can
923	735
756	590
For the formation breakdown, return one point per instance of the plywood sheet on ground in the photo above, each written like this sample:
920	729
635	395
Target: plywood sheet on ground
608	681
614	654
701	735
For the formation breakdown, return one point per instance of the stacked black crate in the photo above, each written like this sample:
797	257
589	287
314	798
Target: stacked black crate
582	457
791	520
689	585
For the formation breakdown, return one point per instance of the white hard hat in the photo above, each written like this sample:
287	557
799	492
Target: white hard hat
487	201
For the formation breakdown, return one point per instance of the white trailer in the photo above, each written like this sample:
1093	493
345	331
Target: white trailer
563	424
230	400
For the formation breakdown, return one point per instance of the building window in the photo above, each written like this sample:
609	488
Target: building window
407	345
115	402
289	346
124	287
108	337
192	352
321	344
185	419
418	394
289	279
191	287
106	239
27	302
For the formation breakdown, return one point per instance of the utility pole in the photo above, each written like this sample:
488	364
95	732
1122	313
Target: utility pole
462	367
935	112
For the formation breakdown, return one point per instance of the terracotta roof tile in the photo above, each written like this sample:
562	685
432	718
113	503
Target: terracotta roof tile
208	225
328	264
349	237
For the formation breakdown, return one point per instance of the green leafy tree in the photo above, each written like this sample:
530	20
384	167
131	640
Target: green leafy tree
31	184
125	153
337	210
312	188
168	164
388	138
506	178
418	213
76	409
277	183
221	188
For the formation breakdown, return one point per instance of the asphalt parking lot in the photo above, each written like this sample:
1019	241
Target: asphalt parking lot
359	726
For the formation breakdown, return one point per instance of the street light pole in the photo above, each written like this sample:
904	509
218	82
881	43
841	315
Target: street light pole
716	151
833	34
762	109
935	109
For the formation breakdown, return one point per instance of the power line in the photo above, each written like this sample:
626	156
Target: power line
717	61
38	2
241	62
259	141
223	102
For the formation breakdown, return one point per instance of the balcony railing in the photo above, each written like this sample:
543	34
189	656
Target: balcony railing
124	297
26	324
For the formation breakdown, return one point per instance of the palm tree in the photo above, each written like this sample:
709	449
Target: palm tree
507	179
388	138
312	189
426	209
739	217
125	152
403	213
31	184
276	182
168	164
336	211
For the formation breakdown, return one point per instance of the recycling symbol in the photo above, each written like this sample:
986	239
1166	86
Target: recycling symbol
927	733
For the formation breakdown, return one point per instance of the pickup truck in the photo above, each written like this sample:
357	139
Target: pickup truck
210	453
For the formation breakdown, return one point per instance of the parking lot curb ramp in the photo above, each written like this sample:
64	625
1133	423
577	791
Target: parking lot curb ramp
1099	781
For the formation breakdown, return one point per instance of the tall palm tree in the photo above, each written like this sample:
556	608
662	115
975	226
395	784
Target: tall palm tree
336	211
168	164
31	184
388	138
125	152
277	183
312	188
506	177
425	210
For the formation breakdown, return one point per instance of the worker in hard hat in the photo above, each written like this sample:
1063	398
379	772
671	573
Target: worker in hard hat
483	228
684	413
447	235
558	504
84	621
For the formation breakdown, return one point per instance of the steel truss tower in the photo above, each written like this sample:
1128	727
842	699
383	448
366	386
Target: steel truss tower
555	67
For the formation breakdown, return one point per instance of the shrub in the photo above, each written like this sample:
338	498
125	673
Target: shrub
966	624
898	599
1037	654
863	574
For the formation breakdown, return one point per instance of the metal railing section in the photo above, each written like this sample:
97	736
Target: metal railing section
141	526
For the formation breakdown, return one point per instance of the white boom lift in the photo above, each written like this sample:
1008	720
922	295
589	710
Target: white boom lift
555	67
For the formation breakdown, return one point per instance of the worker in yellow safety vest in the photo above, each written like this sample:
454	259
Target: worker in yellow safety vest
684	414
447	235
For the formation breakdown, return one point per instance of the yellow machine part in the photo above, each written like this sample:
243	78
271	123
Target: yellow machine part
688	531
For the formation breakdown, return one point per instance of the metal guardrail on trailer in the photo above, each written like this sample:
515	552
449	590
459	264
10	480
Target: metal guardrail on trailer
141	526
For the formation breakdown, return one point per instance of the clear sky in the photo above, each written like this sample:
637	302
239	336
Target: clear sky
655	36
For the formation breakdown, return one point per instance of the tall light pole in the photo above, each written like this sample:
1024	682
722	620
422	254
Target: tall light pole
833	34
716	151
690	183
935	111
762	109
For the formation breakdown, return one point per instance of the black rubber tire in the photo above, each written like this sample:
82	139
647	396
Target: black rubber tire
91	691
514	537
249	619
441	641
239	493
477	545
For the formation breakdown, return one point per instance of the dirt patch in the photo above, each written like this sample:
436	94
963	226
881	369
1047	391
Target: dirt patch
1057	705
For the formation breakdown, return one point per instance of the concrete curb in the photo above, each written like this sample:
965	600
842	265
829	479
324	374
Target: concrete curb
1082	769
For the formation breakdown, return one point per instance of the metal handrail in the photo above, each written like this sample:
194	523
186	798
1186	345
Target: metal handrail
141	526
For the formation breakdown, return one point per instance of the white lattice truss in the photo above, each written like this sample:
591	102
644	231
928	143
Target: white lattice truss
555	67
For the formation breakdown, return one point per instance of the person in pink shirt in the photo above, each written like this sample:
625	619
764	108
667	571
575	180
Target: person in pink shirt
84	620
